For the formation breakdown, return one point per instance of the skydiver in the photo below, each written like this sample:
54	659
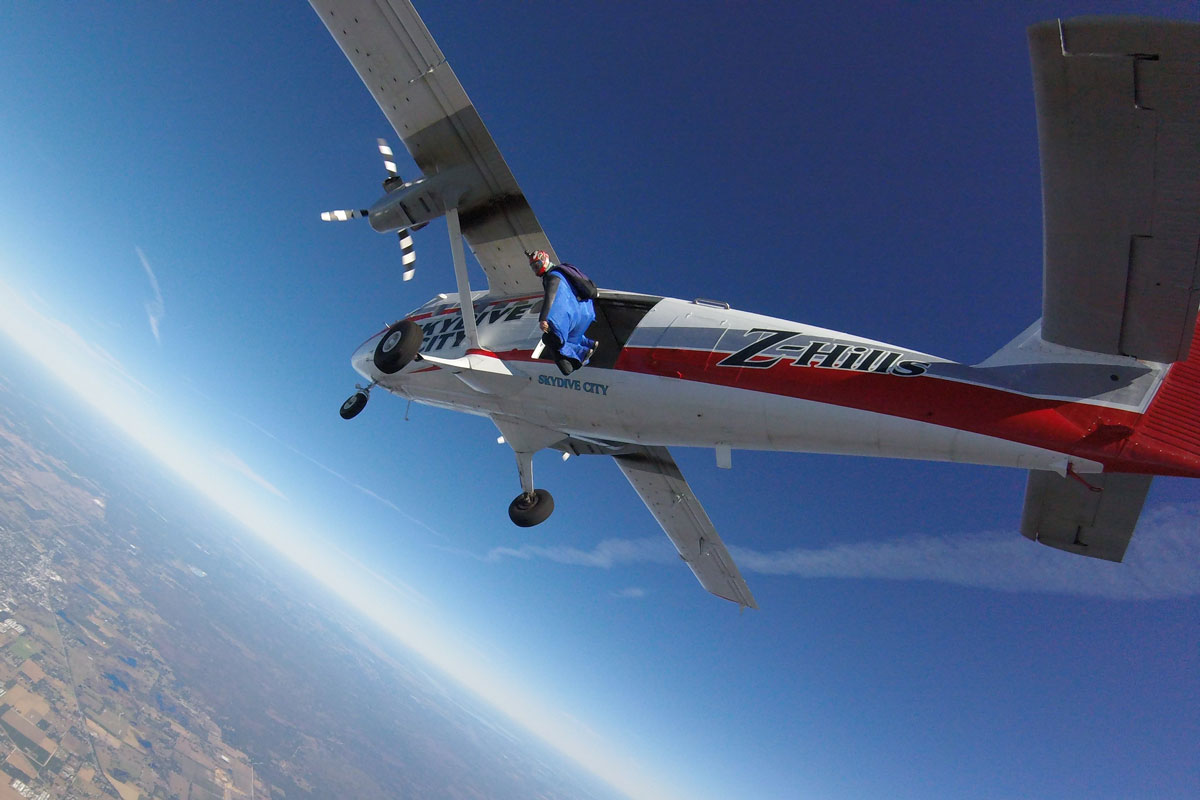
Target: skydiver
567	311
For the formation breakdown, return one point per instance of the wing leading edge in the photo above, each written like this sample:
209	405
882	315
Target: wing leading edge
1118	110
657	480
405	71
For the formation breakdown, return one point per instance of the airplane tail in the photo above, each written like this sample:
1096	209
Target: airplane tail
1173	416
1158	405
1033	365
1096	515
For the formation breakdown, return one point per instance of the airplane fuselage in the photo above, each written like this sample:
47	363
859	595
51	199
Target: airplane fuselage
698	374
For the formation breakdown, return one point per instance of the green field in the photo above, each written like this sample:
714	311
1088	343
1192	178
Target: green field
23	648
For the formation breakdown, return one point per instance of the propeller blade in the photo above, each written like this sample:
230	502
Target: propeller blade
408	256
389	159
343	214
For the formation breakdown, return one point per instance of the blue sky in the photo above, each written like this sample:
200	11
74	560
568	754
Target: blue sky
867	168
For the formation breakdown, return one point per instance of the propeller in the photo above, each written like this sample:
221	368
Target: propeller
408	255
341	215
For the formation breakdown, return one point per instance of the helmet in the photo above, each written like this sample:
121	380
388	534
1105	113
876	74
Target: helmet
539	260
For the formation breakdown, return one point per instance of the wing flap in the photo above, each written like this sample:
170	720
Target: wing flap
1118	107
407	74
655	477
1096	521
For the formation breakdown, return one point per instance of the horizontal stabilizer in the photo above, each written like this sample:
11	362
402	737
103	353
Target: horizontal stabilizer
1094	519
1118	116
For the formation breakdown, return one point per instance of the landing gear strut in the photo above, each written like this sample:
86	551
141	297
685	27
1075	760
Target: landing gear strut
532	506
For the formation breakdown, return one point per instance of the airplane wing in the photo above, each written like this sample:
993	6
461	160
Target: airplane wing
661	485
405	71
658	481
1118	109
1096	520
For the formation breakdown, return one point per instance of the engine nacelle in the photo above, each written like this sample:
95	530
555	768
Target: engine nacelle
418	202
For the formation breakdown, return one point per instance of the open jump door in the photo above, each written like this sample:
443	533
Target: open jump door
617	315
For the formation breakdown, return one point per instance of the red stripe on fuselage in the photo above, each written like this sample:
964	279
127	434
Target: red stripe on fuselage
1063	426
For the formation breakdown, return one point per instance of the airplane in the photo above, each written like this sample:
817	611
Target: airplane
1093	399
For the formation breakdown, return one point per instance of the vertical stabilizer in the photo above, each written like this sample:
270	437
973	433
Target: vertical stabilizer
1173	418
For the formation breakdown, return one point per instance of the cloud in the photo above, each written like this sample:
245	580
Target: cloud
631	593
1163	560
608	553
230	459
155	310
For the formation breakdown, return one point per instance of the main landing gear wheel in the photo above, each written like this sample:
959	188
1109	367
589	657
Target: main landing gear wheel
527	510
398	346
354	404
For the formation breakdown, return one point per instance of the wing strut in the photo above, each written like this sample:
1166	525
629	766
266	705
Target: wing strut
464	282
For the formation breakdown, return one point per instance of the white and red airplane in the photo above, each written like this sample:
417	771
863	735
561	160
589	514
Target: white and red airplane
1094	399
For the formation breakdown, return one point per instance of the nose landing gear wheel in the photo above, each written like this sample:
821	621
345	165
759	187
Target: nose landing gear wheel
353	405
527	510
398	346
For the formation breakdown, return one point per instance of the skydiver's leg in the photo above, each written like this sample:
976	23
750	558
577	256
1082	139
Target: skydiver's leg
573	350
553	351
583	320
550	345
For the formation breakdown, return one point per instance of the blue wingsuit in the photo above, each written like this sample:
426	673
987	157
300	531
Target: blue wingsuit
568	316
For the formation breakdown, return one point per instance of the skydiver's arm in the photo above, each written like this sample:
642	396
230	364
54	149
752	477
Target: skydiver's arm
550	282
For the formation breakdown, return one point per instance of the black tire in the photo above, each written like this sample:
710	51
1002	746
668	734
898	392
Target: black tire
526	511
398	346
354	404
